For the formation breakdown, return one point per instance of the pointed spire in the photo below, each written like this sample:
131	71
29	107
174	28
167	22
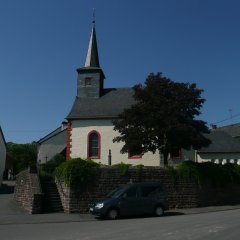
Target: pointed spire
92	59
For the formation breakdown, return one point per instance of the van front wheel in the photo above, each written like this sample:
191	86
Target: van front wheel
113	214
158	211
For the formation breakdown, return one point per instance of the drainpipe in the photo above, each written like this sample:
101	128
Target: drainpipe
109	157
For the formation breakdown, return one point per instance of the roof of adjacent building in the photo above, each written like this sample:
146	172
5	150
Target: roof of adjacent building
233	129
52	134
111	103
2	135
222	142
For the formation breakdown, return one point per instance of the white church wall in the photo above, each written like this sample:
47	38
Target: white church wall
79	135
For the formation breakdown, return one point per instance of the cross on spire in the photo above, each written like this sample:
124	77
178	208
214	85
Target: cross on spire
93	15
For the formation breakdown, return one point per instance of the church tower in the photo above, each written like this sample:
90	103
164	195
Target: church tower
91	77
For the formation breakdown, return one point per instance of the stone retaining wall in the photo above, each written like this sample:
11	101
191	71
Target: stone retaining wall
180	194
28	191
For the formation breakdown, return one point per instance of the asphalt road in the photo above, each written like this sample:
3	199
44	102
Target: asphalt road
219	223
213	225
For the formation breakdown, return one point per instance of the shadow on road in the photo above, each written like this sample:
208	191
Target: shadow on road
166	214
169	214
6	189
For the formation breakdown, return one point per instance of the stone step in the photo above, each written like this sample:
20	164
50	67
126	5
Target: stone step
53	196
52	200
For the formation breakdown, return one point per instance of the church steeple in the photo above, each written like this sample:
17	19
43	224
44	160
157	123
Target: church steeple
92	59
91	77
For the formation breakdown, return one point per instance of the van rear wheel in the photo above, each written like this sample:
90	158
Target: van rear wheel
158	211
113	214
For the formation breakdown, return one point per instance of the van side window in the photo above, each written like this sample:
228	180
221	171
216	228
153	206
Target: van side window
132	192
150	191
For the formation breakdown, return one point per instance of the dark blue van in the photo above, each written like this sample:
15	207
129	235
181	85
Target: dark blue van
132	199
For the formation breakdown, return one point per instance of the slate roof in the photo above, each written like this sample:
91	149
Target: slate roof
222	142
3	138
111	103
233	129
51	134
92	59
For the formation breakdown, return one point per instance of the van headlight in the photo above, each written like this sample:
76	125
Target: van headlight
99	205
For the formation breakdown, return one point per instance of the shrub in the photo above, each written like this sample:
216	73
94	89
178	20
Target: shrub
237	172
77	173
209	174
139	168
231	173
172	173
122	167
48	168
187	170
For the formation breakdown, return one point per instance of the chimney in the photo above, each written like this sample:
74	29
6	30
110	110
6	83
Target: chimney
64	125
214	126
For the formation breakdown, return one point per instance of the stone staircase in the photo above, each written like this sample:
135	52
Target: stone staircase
52	201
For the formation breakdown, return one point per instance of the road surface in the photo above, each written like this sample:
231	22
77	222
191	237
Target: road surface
213	225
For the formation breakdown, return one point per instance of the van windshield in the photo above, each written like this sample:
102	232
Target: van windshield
116	192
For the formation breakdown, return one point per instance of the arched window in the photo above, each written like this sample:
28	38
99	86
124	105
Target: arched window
94	145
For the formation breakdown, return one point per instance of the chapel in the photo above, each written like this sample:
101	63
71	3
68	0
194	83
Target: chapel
90	130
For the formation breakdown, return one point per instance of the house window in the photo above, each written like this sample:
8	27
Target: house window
177	155
88	81
130	155
94	145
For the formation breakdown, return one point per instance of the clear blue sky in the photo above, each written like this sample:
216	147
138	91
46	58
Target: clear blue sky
42	43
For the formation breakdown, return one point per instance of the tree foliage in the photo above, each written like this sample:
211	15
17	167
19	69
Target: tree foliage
78	174
48	168
163	118
24	155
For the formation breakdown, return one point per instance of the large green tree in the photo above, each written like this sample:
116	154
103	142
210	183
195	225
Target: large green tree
24	155
163	118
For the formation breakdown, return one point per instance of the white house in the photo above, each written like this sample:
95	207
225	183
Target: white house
3	152
90	129
232	129
223	149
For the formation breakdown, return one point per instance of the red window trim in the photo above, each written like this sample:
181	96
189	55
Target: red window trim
134	156
69	140
99	145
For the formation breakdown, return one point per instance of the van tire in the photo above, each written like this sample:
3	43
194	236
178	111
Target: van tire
158	211
113	214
